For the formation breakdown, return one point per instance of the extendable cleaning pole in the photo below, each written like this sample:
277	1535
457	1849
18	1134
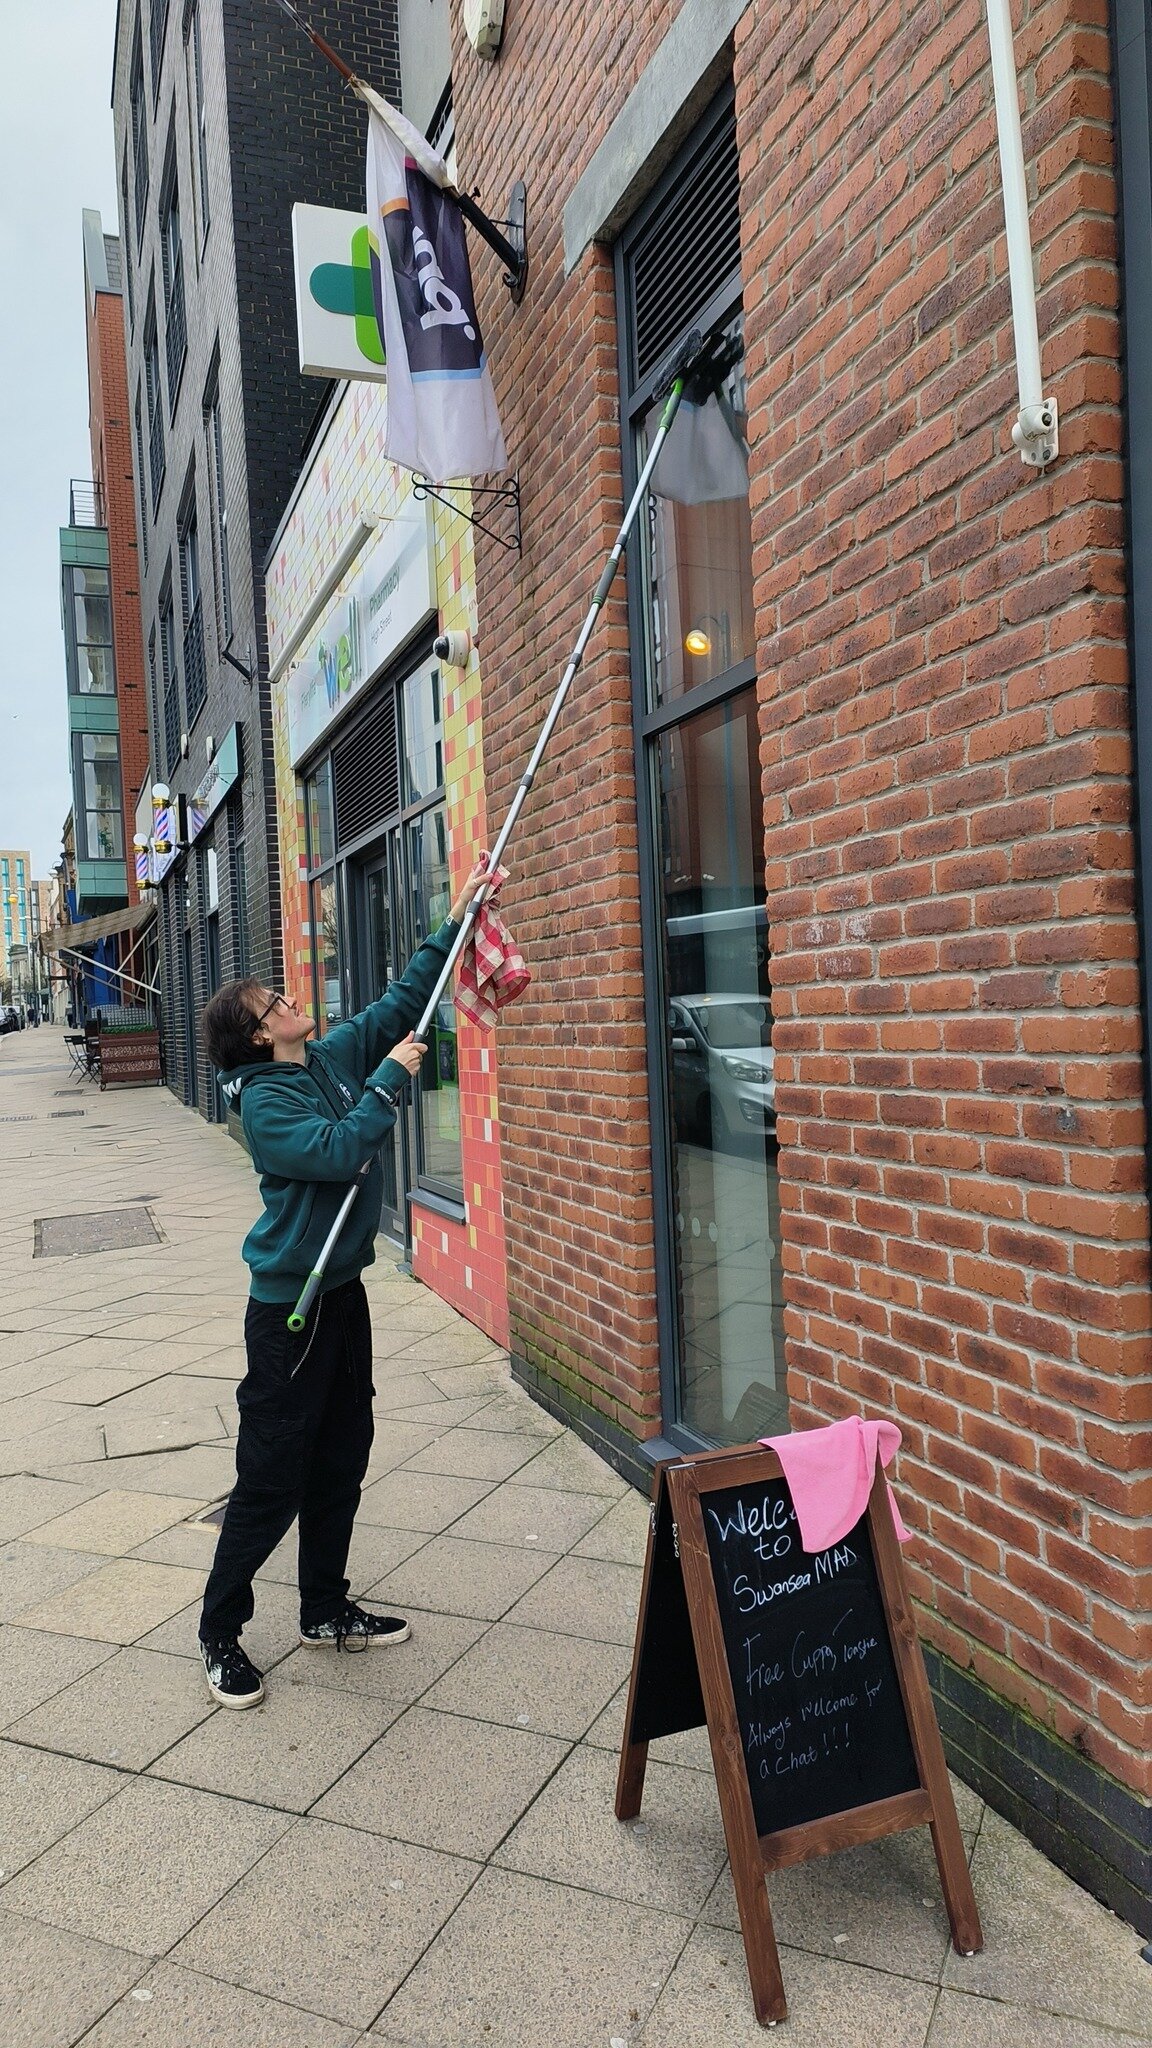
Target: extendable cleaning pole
688	359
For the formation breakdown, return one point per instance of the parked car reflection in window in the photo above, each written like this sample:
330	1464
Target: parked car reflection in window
722	1066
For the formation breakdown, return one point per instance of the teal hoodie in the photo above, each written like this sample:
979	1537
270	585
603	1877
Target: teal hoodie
311	1128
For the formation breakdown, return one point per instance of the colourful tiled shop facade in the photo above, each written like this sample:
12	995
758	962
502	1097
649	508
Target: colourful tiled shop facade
349	482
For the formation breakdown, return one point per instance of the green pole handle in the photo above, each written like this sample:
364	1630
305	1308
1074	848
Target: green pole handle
310	1290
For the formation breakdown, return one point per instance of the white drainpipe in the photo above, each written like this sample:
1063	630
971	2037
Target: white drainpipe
1036	430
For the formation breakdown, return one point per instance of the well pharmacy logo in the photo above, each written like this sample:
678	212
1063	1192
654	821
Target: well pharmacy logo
336	298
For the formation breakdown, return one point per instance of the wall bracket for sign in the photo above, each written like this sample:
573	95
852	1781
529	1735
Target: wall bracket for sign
511	245
245	668
807	1672
489	516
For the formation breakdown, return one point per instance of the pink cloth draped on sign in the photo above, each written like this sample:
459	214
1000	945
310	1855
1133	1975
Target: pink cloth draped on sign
829	1472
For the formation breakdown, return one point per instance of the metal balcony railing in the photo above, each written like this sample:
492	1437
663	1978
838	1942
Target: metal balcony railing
85	503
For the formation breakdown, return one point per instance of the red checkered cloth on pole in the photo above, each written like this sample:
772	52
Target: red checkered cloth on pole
492	972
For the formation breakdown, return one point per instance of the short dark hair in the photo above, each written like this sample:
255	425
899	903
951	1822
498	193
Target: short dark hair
228	1025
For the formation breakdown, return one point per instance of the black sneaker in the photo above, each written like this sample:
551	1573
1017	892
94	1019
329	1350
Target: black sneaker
232	1678
355	1629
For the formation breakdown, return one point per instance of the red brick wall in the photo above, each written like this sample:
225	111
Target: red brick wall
573	1113
945	753
946	757
110	423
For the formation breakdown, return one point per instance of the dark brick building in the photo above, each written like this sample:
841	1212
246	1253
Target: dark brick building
827	1096
224	117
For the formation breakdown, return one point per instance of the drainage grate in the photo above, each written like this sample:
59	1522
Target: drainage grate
65	1112
17	1119
104	1230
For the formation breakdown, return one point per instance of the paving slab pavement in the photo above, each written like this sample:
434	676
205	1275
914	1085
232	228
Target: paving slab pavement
417	1846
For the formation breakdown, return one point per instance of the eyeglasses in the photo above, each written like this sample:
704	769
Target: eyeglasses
272	1005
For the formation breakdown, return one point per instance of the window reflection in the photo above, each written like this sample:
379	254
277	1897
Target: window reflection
326	949
100	759
700	614
439	1090
423	736
725	1198
92	617
321	843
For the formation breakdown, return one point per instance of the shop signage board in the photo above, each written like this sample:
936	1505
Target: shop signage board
387	600
806	1670
223	772
336	327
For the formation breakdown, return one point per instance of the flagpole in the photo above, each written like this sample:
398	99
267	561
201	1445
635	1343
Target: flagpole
687	357
516	259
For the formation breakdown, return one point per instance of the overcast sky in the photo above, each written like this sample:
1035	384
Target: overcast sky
56	158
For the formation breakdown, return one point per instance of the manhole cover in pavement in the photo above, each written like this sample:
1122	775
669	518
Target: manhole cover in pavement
103	1230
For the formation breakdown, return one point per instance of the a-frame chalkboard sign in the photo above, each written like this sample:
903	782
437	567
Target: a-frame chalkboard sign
808	1673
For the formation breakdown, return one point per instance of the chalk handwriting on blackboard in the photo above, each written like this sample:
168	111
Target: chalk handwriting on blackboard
817	1699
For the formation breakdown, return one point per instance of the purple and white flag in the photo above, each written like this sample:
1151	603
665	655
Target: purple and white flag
442	417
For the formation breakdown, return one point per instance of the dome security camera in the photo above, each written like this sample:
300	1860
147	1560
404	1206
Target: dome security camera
453	648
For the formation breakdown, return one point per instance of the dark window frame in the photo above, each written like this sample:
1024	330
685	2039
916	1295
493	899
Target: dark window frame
82	810
241	927
74	646
197	120
126	243
138	122
173	733
218	504
191	602
153	395
154	703
649	723
141	473
172	275
157	31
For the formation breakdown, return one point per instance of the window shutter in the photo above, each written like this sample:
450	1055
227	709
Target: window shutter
366	774
689	245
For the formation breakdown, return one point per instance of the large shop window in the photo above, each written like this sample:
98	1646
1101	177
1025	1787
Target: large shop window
706	941
378	880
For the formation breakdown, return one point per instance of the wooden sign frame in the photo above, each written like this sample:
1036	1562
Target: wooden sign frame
682	1486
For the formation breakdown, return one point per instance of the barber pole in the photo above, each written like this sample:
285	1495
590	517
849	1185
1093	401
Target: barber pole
161	818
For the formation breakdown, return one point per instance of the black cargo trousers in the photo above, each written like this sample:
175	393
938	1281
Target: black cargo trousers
306	1431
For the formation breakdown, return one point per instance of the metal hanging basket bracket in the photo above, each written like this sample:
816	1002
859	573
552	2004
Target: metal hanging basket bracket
495	500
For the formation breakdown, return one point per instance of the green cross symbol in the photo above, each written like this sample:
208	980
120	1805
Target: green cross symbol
347	288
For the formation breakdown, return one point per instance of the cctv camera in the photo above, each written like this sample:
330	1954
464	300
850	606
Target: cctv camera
454	648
